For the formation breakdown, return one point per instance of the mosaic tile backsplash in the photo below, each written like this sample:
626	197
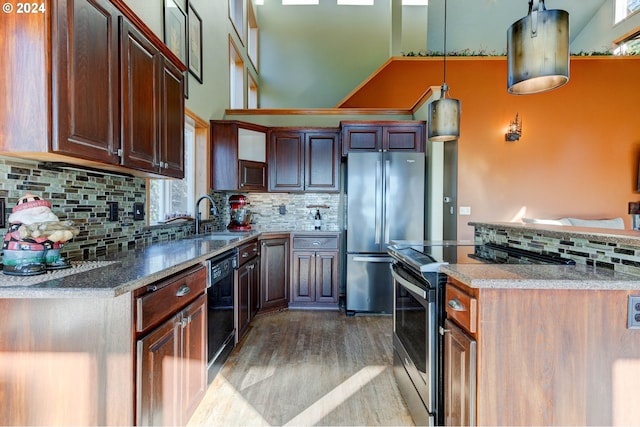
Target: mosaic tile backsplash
591	251
81	196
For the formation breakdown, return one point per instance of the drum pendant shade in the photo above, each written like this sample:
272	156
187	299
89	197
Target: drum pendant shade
538	51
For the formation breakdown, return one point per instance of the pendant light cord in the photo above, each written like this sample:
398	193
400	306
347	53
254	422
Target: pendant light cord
444	61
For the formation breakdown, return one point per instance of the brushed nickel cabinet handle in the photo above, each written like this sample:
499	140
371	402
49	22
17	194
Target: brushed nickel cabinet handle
455	305
183	290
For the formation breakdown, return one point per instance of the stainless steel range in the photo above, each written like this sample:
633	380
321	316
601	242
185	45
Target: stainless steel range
419	314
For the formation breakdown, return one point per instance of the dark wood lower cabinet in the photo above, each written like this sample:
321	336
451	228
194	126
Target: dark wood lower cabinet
459	377
315	270
171	370
274	273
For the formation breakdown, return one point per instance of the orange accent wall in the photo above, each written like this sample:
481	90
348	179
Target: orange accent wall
580	148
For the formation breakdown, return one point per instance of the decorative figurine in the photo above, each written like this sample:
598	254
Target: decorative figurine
32	243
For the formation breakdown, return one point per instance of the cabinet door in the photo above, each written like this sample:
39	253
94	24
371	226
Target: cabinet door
85	59
274	277
361	137
252	176
326	277
139	100
171	159
322	161
406	137
158	376
194	357
243	282
286	161
254	287
303	280
459	377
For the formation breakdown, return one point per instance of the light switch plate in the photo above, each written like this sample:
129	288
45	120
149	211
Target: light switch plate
138	211
465	210
633	321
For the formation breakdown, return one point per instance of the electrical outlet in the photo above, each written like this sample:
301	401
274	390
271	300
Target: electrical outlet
633	321
113	211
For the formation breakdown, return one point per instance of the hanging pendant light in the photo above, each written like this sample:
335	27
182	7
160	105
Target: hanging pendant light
538	50
444	114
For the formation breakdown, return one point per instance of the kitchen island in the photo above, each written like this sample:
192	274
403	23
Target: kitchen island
540	344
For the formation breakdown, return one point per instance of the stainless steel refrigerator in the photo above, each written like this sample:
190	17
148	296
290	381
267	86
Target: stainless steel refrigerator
385	202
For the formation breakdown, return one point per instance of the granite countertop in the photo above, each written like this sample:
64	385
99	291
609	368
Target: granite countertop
535	276
124	272
117	274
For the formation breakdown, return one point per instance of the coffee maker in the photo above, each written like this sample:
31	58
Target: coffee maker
240	214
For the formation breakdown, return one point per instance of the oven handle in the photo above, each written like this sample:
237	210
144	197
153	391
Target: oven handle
408	285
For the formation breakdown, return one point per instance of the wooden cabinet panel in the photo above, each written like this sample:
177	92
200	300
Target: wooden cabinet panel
87	126
194	360
402	135
158	376
315	271
171	143
304	160
286	161
326	277
252	175
171	364
229	171
361	137
303	277
243	283
459	377
462	307
274	277
94	68
322	161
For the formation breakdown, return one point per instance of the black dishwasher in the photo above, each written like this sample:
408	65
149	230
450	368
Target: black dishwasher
220	312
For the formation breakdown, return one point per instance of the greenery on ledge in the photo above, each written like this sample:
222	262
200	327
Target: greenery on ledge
483	52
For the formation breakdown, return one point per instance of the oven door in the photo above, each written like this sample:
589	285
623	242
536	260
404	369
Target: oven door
416	331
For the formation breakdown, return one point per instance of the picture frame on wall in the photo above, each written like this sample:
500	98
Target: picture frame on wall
195	42
175	29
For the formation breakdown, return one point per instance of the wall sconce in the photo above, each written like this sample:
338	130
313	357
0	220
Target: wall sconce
515	130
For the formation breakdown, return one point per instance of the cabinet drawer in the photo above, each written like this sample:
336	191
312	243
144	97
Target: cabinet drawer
462	308
166	298
246	252
315	242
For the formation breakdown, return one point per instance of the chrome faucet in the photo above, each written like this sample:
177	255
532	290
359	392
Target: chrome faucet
213	210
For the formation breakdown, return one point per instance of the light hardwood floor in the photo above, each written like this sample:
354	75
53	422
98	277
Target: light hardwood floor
307	368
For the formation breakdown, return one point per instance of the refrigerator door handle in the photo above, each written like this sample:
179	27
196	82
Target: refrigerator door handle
387	183
373	259
378	189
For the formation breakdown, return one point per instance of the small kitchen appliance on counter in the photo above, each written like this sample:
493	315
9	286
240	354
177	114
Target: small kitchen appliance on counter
240	215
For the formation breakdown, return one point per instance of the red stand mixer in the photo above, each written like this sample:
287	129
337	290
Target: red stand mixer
240	215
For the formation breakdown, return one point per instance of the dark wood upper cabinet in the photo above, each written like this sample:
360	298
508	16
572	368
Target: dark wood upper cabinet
286	161
152	107
238	156
71	89
401	135
304	160
86	62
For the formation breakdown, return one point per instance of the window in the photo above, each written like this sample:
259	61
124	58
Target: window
175	197
628	44
236	77
252	42
236	9
355	2
624	8
252	101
